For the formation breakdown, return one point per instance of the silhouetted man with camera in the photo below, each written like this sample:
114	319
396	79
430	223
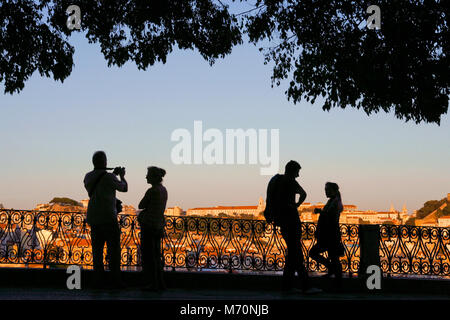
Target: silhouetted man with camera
102	217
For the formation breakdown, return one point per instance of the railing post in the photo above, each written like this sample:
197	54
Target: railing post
369	244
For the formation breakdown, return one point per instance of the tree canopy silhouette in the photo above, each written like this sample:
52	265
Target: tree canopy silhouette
327	50
34	34
323	47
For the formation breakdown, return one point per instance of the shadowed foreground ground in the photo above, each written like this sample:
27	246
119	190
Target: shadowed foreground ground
196	294
50	284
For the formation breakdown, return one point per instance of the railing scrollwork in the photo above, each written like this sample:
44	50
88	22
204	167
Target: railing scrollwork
58	239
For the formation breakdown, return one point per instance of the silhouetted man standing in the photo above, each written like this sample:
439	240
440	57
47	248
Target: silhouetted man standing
102	216
290	225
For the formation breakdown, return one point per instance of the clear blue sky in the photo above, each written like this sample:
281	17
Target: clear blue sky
50	130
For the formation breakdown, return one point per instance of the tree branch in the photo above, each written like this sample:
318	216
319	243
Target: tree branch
259	7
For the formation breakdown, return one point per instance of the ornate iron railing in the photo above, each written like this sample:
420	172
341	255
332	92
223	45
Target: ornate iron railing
42	238
239	244
415	250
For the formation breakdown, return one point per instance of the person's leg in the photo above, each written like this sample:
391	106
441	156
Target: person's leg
288	271
315	254
299	261
294	259
336	268
98	243
145	254
153	262
160	262
113	245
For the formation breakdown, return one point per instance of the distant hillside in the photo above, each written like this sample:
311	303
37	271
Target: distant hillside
65	201
431	206
444	212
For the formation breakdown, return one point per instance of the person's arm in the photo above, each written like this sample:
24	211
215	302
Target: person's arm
85	184
303	195
120	185
124	184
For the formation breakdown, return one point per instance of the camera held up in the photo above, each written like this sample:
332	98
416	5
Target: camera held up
119	171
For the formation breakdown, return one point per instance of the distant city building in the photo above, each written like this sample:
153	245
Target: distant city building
85	203
128	210
350	214
42	206
254	211
350	208
174	211
393	216
444	222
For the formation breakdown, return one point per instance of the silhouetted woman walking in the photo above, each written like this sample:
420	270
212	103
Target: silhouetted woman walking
151	219
328	234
